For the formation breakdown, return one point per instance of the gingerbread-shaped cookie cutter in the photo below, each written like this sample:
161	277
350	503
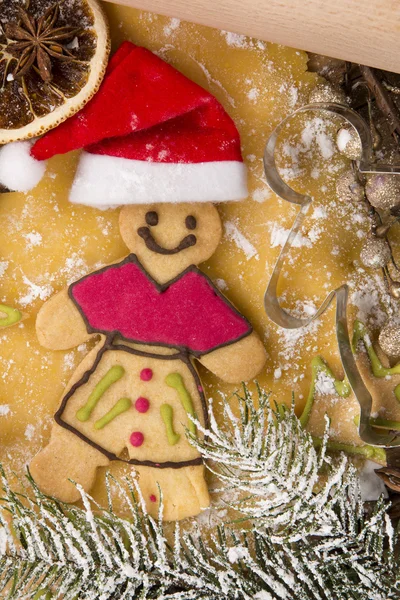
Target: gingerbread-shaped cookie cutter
271	301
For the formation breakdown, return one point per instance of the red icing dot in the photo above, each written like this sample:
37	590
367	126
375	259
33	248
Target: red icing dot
146	374
137	438
142	404
200	388
153	498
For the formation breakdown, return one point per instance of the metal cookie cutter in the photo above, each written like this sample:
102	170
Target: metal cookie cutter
271	302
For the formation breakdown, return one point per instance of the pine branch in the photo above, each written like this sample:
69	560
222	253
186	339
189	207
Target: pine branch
322	548
271	460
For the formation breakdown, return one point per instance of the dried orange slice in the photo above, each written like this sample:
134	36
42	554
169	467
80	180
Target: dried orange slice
53	56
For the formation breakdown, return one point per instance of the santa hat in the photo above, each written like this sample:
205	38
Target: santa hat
149	135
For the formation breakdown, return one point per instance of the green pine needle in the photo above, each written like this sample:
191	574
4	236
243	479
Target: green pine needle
307	538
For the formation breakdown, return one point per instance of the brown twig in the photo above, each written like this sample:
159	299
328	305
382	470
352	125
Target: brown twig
393	89
382	98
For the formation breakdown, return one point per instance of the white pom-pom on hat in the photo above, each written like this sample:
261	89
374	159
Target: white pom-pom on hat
19	171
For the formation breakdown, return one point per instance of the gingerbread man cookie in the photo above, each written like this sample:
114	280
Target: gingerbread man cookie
156	312
165	148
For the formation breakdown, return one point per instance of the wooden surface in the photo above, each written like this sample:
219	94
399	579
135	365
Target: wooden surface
365	31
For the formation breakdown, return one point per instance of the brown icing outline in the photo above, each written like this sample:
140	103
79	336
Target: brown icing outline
132	258
109	345
187	242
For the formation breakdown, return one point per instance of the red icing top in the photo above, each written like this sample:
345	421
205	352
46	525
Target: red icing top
188	313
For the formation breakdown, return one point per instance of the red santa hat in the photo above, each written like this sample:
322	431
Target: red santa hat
149	135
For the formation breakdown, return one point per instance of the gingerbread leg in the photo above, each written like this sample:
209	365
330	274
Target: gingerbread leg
66	457
184	491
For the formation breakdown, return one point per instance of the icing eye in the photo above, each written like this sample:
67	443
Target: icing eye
151	218
190	222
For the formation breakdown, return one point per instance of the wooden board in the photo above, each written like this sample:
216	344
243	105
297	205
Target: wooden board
358	31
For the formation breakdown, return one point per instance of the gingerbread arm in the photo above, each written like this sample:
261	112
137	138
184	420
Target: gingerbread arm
237	362
59	325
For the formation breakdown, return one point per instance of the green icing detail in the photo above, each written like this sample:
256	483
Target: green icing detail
13	315
167	415
175	381
342	387
378	370
112	376
371	452
120	407
361	333
378	422
385	423
397	392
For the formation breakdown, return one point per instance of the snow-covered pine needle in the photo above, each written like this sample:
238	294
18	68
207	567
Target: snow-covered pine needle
308	537
269	458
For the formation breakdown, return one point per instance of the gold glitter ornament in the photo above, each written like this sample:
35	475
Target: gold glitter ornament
375	253
348	188
389	337
325	92
383	191
348	143
394	289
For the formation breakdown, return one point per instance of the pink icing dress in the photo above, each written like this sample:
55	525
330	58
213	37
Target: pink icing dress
187	313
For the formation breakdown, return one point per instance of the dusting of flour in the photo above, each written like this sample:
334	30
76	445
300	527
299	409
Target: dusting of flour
233	233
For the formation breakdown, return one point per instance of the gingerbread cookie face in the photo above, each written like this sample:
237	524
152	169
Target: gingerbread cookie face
168	238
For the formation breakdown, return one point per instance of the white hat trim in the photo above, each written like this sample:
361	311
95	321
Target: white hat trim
102	181
19	171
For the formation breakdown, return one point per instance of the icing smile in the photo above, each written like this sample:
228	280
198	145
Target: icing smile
187	242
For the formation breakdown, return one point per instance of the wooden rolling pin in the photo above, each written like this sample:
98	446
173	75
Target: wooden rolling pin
361	31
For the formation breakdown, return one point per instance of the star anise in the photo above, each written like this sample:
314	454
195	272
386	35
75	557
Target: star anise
35	42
